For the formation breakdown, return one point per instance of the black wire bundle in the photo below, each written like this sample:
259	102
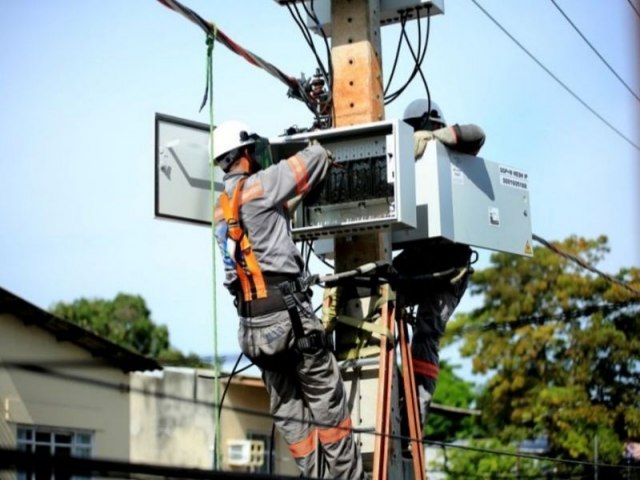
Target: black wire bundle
418	56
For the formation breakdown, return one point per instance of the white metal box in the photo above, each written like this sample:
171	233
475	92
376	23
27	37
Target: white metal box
371	187
470	200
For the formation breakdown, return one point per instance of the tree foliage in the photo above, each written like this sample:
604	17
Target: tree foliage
475	460
126	321
561	347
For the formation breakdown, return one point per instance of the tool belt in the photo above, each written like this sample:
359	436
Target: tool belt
274	302
286	292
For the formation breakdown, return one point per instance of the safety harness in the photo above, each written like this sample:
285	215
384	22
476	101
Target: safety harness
255	301
247	266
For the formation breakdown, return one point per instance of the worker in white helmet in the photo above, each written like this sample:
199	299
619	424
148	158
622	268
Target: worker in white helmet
278	330
436	273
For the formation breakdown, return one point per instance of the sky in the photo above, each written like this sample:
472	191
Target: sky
81	82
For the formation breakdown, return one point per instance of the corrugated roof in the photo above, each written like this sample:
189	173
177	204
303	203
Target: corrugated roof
65	331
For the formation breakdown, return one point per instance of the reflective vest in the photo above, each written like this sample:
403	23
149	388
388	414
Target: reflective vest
246	263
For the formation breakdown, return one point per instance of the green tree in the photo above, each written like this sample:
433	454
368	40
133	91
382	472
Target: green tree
477	461
126	321
561	346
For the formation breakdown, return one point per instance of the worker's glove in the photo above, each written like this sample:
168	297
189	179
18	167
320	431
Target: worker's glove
314	141
420	140
461	138
466	138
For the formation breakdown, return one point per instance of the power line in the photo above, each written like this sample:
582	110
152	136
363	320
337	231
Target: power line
296	88
42	463
584	264
521	455
38	368
594	50
540	319
560	82
635	9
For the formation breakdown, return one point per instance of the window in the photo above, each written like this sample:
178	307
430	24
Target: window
53	441
269	453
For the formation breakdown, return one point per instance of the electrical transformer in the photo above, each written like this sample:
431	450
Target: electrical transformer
467	199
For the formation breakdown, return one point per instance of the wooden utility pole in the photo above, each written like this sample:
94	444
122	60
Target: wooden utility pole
358	97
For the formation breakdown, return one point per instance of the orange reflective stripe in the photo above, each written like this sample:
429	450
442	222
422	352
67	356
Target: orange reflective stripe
254	191
426	369
304	447
332	435
300	173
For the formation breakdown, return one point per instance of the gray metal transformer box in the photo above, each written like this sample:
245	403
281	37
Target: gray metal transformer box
467	199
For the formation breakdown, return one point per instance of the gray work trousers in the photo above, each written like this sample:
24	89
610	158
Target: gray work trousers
307	394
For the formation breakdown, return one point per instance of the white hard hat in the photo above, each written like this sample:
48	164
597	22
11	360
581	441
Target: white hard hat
228	137
419	107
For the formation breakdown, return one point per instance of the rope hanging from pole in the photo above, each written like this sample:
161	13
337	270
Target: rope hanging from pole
208	96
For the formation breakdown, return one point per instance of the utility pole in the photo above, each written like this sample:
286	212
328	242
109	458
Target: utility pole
358	97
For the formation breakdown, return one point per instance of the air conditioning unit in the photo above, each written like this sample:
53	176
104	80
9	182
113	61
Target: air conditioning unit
245	453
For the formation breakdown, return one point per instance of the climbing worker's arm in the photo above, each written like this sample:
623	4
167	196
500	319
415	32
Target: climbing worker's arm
296	176
461	138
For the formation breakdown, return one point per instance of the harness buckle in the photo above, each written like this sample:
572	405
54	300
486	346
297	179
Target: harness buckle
314	341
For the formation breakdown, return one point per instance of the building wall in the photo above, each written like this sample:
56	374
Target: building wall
173	419
251	396
76	403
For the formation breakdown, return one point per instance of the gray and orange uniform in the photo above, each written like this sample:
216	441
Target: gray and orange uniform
307	395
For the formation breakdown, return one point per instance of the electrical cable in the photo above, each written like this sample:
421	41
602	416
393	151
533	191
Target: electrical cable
38	368
309	38
388	98
300	22
555	4
584	264
308	257
44	464
226	387
312	14
552	75
417	57
49	463
520	455
635	9
296	89
403	20
509	325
